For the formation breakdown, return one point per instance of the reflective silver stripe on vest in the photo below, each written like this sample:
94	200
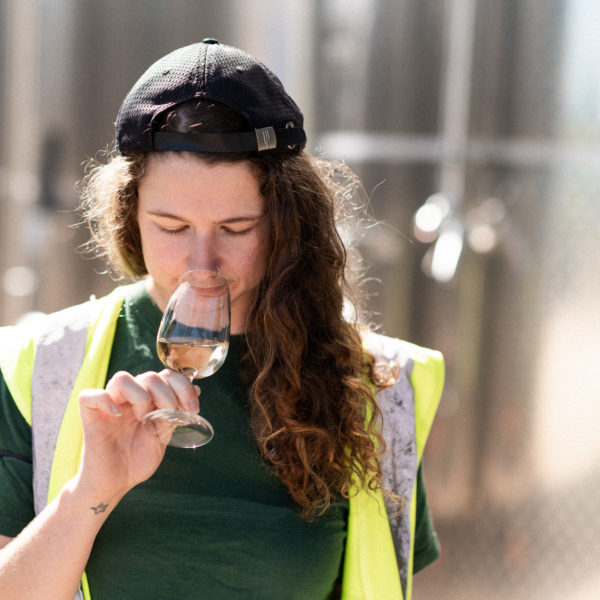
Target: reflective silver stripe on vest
60	349
399	463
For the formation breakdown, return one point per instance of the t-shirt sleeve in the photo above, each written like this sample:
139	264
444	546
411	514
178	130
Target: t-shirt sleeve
16	495
427	547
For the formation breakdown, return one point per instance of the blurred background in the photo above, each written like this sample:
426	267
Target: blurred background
475	126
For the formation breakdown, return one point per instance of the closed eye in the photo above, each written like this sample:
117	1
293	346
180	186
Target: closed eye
240	225
230	231
171	231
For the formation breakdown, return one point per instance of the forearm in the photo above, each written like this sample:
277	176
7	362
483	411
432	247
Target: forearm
52	551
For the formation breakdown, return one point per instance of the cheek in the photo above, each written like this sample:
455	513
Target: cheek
149	244
251	263
156	250
252	260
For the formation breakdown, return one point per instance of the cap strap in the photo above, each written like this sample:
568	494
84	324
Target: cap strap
259	140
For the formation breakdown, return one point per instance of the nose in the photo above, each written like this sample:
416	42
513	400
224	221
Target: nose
202	253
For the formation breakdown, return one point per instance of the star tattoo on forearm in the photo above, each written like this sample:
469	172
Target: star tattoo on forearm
99	509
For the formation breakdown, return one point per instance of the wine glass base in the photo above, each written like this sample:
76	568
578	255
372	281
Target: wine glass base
178	428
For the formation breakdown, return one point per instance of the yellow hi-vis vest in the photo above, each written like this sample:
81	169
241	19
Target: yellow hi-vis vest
70	350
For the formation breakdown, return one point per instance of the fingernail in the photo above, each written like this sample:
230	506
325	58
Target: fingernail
115	411
197	388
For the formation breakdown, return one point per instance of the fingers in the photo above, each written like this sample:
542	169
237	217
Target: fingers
151	390
142	394
185	393
97	400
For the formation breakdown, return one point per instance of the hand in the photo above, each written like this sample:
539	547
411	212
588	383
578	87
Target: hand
118	453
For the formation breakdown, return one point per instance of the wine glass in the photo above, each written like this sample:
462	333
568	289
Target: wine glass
193	339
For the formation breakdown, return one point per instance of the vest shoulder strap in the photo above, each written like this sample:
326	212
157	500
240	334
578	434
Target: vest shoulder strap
408	408
54	340
60	349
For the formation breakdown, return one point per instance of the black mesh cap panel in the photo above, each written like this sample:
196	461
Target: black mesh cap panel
204	70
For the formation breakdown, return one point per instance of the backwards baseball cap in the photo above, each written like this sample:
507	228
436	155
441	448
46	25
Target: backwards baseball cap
212	71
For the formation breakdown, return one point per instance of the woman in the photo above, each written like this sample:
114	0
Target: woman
286	501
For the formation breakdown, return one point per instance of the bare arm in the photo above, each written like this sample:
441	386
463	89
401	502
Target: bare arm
52	551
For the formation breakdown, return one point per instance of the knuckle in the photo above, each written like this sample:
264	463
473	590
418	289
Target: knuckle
148	378
169	375
119	380
87	396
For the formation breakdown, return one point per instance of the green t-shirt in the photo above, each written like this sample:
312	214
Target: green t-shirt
211	522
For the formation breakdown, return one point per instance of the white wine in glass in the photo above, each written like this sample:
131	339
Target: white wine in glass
193	358
193	339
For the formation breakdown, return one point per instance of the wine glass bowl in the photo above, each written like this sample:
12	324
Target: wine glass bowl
192	339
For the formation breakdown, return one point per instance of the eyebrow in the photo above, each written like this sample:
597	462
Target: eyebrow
240	219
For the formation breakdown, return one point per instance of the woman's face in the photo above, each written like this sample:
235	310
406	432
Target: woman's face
197	215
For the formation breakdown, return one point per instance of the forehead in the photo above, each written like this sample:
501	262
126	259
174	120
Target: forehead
183	181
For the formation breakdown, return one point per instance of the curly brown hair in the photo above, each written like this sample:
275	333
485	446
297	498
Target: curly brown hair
314	412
